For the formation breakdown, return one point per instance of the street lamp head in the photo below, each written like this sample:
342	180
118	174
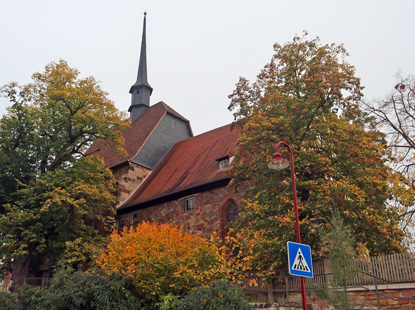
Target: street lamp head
278	163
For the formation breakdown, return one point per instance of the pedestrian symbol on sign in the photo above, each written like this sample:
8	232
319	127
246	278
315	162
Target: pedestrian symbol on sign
299	263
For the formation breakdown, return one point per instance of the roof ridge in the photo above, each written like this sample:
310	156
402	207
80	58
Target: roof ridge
210	131
203	134
170	110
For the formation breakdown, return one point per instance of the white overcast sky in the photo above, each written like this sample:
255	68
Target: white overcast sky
197	50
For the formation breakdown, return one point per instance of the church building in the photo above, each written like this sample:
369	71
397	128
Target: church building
169	175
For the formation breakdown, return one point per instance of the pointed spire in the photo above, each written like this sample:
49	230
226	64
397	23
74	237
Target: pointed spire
141	90
142	67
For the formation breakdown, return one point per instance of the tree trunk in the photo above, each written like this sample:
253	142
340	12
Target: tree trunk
20	272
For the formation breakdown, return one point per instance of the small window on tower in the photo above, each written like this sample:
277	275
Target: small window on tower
189	204
138	91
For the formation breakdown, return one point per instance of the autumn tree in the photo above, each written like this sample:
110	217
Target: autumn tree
308	96
53	201
162	259
395	115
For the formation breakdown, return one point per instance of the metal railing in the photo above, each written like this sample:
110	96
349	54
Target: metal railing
15	283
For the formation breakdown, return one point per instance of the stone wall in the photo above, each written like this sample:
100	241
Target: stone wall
403	295
129	176
207	218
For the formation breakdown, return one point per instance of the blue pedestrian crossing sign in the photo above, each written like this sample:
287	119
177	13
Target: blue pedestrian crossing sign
299	260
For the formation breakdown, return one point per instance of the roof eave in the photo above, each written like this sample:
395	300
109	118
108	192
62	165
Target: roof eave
191	190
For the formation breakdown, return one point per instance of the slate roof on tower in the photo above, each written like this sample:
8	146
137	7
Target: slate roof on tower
192	164
137	135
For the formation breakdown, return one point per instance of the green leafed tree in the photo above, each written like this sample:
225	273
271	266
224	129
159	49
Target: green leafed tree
54	201
308	96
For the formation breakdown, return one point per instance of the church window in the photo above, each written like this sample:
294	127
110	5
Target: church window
232	213
138	91
189	204
135	216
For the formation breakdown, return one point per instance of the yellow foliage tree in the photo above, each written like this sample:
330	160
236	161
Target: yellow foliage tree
53	200
308	96
162	259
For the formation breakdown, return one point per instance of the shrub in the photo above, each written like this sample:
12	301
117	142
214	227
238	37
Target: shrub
162	259
26	298
7	300
219	296
75	290
90	290
168	302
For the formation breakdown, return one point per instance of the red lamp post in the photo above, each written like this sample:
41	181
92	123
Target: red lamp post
278	163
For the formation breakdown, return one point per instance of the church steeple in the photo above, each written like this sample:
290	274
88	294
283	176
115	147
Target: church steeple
141	90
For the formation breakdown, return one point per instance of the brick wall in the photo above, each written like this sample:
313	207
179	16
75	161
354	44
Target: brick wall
129	177
207	218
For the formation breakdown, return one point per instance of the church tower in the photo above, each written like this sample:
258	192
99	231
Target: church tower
141	90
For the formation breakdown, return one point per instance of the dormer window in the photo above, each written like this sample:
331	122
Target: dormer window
225	162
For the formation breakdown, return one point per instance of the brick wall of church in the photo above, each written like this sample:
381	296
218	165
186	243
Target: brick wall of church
129	177
207	218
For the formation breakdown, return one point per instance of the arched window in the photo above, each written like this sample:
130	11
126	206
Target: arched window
232	213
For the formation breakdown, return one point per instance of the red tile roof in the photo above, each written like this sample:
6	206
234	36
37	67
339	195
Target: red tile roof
135	136
191	163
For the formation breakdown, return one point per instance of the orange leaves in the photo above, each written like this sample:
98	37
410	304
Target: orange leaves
162	259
